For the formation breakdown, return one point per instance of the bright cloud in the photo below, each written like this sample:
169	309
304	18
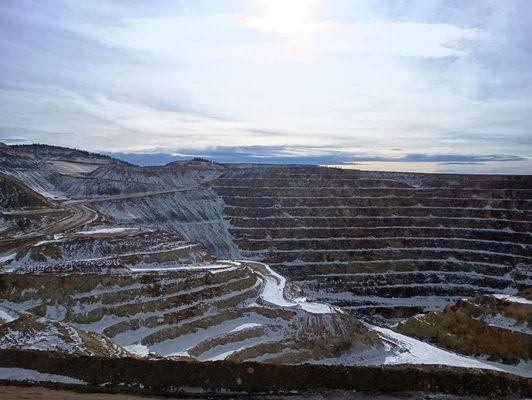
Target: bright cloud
365	77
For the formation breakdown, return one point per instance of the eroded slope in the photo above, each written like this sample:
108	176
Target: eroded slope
494	326
27	332
153	294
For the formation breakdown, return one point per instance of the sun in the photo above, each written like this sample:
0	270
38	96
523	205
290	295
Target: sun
286	16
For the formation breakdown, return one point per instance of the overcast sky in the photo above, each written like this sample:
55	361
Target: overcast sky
304	77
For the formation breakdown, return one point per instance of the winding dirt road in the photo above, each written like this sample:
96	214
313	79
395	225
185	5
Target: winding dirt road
79	213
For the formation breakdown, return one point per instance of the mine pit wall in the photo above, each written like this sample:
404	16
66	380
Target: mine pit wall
15	195
169	303
195	215
393	244
167	377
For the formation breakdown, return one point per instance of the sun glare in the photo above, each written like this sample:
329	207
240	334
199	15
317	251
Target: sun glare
286	16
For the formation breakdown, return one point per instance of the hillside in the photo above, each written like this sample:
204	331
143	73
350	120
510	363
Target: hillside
494	326
15	195
154	294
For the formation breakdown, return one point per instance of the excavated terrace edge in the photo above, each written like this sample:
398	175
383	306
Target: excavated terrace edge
222	378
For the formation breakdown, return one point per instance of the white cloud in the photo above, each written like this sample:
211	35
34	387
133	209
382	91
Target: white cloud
364	82
240	36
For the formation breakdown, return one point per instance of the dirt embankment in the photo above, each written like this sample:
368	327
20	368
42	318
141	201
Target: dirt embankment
39	393
481	326
168	377
51	393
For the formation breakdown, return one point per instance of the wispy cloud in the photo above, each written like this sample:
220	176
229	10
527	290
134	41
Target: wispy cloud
374	78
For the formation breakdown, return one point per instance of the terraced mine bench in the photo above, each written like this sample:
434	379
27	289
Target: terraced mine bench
377	243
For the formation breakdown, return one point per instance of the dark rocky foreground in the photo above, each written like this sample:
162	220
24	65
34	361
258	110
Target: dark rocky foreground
15	392
52	393
183	378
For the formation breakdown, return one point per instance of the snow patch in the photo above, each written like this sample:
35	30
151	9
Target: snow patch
138	349
56	312
248	325
273	292
9	257
42	242
7	315
107	230
180	267
22	374
513	299
413	351
500	321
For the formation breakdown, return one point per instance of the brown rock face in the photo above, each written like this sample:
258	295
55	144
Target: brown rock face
29	332
14	195
483	326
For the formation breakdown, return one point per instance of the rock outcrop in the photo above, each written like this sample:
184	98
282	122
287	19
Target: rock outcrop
15	195
27	332
498	327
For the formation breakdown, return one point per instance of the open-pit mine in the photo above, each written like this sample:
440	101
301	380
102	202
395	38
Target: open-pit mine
206	279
